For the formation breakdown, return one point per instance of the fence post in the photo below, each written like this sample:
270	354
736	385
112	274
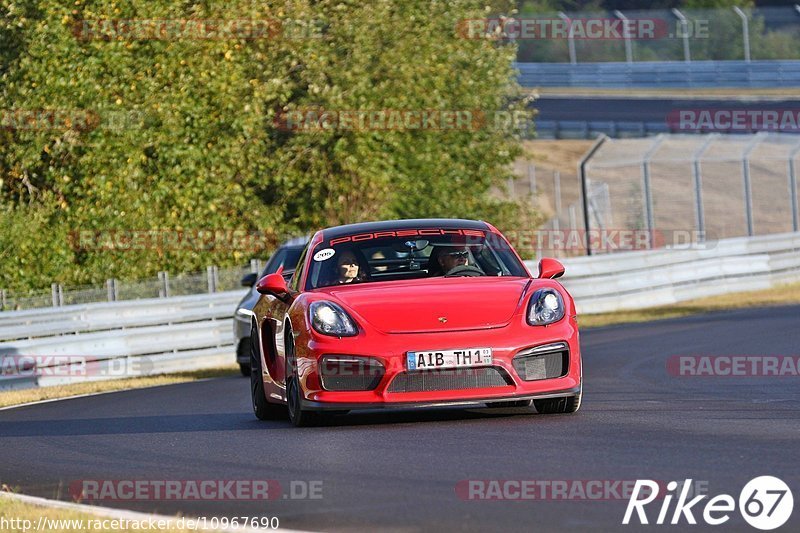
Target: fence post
54	293
557	198
793	186
111	289
745	32
698	186
163	292
748	190
532	177
648	193
584	187
211	270
687	55
254	265
570	37
626	35
3	299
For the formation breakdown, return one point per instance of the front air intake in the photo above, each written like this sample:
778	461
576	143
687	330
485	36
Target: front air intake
350	373
542	362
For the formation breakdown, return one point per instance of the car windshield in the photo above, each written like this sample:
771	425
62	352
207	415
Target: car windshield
426	253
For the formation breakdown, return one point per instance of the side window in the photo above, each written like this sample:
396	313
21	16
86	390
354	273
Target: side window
275	262
298	274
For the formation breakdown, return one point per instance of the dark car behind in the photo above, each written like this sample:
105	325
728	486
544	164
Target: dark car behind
287	257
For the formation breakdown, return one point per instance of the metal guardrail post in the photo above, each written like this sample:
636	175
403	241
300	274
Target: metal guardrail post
793	181
648	193
213	279
745	32
748	190
573	58
697	174
626	36
687	54
54	293
163	292
584	188
3	302
111	290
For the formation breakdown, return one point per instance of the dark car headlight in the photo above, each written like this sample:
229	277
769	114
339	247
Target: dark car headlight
328	318
545	307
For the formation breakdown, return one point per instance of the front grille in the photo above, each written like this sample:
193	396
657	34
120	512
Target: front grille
450	379
542	362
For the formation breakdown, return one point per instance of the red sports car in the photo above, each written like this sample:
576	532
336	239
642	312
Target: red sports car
411	313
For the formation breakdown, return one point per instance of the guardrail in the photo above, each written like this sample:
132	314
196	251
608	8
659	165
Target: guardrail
662	74
142	337
640	279
114	340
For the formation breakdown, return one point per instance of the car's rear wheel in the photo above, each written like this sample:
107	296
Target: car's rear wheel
242	352
263	409
566	404
297	415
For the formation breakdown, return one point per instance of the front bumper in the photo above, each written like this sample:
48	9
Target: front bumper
308	405
507	343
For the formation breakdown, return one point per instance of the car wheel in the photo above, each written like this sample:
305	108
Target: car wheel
514	403
263	409
243	351
567	404
297	416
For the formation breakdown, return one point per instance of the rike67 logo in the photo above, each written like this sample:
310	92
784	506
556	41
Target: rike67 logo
765	503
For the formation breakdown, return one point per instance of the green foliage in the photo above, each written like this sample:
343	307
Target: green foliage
181	133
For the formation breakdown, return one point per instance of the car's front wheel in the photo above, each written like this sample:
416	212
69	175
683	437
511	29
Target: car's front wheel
297	415
566	404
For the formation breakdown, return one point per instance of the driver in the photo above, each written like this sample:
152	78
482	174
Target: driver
456	257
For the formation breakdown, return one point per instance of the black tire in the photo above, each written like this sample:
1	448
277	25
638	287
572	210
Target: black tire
297	416
242	351
263	409
513	403
567	404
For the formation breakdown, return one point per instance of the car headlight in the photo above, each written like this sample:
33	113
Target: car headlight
330	319
546	306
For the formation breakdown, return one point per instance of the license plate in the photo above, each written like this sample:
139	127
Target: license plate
437	359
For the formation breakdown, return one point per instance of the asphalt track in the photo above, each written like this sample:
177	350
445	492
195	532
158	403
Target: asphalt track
642	109
398	470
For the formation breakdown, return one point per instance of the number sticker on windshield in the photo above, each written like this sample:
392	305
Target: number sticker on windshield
324	255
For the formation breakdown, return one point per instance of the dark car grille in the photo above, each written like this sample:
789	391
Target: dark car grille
542	362
450	379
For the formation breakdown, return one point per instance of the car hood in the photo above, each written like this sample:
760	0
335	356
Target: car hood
434	305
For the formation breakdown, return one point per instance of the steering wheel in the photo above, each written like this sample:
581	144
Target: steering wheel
465	270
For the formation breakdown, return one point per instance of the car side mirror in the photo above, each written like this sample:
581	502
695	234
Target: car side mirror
273	284
250	279
550	268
